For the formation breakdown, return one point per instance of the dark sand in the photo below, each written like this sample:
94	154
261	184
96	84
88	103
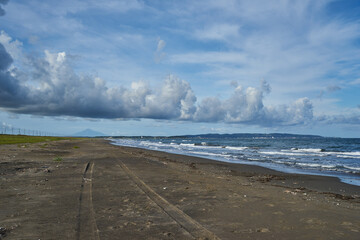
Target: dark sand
100	191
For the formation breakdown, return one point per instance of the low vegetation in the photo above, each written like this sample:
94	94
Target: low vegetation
58	159
16	139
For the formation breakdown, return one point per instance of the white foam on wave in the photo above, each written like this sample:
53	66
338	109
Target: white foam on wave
321	152
283	153
193	145
157	145
236	148
280	162
311	150
308	150
187	144
210	154
316	165
148	143
350	153
352	168
347	154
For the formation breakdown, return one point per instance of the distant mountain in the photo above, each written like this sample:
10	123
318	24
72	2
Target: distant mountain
250	135
88	133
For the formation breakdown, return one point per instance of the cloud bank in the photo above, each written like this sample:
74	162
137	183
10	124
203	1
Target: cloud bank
51	87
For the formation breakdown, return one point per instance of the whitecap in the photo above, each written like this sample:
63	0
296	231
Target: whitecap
236	148
316	165
352	168
310	150
210	154
187	144
283	153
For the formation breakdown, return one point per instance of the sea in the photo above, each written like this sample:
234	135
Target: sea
337	157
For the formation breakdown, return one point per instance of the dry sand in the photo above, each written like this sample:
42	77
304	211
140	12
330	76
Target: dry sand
101	191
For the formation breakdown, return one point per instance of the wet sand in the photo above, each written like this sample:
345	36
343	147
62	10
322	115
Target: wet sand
90	189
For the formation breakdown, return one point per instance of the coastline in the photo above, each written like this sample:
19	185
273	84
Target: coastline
316	159
319	183
91	189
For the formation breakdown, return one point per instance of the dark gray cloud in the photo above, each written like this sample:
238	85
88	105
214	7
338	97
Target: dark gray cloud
5	59
329	89
2	11
11	93
333	88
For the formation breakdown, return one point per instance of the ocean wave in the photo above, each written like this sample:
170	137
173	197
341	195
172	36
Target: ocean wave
283	153
255	159
236	148
199	146
283	162
202	144
352	168
316	165
346	156
348	153
308	150
154	144
210	154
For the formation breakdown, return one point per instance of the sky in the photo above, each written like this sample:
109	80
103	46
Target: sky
140	67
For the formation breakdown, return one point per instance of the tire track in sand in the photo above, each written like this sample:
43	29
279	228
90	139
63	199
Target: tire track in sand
86	223
185	221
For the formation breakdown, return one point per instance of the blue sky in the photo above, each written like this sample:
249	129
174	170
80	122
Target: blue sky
181	67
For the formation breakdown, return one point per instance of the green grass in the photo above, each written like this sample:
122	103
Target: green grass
16	139
58	159
44	145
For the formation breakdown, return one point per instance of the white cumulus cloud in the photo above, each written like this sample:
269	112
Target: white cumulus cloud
49	86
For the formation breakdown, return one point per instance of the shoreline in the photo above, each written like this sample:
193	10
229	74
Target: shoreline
265	169
351	178
91	189
320	183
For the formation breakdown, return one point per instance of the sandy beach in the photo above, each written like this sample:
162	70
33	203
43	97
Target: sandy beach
90	189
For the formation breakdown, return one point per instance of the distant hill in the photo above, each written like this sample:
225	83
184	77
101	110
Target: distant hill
88	133
233	135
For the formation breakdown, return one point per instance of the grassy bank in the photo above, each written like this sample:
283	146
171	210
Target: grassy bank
15	139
